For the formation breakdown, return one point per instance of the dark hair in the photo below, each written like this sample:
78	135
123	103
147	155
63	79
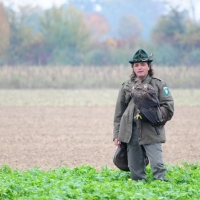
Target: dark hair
150	72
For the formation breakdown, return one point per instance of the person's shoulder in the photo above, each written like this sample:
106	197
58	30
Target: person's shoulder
156	78
126	82
123	85
127	85
159	82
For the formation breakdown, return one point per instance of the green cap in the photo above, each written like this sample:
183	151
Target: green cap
141	56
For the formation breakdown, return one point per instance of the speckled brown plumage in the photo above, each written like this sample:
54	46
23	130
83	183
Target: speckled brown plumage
144	97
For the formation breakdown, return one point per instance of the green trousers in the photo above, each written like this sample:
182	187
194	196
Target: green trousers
136	154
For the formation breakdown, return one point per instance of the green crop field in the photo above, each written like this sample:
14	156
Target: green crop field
86	182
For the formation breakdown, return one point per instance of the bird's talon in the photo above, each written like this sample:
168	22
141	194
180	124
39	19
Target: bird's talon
138	116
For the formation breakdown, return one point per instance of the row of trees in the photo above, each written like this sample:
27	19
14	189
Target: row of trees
55	36
177	39
67	36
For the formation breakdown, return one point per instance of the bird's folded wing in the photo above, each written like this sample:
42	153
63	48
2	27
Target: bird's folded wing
150	114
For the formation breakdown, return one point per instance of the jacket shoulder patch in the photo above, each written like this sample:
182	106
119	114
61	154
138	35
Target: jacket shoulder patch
166	91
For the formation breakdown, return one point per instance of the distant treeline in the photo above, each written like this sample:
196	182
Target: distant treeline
82	77
67	36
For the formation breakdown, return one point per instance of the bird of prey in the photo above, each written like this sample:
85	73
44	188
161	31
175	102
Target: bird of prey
148	105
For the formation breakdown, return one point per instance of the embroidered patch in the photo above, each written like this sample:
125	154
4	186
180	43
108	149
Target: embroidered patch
166	91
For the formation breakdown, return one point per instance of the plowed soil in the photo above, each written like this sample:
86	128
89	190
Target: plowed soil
51	137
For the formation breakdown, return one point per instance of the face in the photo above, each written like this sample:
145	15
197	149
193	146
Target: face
141	69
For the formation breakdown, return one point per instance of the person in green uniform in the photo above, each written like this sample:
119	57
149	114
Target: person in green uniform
140	136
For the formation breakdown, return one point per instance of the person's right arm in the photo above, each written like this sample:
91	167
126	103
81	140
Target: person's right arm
121	106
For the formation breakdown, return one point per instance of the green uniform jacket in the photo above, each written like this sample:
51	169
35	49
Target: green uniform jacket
125	111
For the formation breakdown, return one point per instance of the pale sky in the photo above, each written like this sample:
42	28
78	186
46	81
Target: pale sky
48	3
41	3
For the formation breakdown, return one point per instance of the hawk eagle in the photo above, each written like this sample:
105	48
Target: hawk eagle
148	105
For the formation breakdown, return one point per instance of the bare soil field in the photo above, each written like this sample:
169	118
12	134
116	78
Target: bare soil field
51	137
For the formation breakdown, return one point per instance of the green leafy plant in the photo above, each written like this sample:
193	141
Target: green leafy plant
85	182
